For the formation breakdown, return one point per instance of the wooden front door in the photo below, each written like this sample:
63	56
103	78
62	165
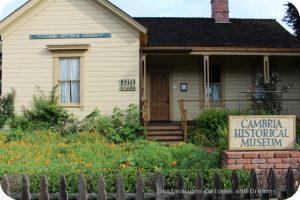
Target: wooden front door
159	92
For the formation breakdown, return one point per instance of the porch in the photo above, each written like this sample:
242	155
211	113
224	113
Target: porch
177	87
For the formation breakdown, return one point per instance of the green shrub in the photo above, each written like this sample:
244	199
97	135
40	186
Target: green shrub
210	128
266	97
45	113
7	108
123	127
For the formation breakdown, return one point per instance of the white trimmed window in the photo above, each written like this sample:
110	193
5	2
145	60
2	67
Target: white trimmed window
69	80
68	73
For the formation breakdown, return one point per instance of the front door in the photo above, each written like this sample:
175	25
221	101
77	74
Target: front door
159	93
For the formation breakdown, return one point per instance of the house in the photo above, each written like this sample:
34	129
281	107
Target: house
172	67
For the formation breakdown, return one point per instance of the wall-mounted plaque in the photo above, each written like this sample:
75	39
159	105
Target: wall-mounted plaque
69	36
262	132
183	87
127	85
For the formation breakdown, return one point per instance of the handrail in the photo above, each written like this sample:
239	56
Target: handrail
183	114
145	115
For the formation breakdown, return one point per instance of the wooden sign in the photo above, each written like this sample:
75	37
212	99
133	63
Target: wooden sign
127	85
262	132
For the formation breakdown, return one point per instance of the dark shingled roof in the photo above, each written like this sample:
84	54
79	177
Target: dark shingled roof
204	32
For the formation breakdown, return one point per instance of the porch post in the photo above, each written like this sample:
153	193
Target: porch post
266	69
144	78
206	81
145	106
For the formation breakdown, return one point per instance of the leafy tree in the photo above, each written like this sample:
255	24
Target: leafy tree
292	18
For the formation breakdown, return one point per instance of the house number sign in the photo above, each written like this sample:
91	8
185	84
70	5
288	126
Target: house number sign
127	85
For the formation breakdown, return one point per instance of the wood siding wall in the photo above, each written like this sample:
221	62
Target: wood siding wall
28	63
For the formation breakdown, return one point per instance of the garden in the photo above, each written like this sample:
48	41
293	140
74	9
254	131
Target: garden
46	139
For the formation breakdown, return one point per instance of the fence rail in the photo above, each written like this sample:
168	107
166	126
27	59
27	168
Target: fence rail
271	190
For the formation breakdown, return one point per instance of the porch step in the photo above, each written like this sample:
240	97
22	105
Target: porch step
165	133
158	133
166	137
164	128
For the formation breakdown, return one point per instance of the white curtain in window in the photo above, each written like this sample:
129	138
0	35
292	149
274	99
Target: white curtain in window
70	80
75	77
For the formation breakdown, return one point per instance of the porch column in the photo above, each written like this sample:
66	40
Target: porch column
144	78
206	81
266	69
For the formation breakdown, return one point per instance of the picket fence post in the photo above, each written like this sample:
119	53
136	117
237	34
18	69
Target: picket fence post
290	183
44	194
5	185
25	194
120	195
199	187
82	188
140	195
101	194
63	193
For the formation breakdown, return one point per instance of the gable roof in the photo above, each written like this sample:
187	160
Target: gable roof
204	32
105	3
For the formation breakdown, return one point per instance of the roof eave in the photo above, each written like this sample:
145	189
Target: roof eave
123	15
225	50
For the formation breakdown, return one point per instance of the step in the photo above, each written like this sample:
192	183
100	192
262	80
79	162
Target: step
165	137
163	128
177	132
171	142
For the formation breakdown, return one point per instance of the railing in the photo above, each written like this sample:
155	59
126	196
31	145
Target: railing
268	191
184	118
260	99
145	114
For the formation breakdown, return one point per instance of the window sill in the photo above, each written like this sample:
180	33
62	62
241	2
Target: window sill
71	105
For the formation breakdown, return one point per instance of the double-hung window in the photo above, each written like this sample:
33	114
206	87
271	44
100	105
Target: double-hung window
69	80
68	73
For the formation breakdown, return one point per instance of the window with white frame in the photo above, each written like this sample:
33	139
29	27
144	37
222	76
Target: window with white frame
69	79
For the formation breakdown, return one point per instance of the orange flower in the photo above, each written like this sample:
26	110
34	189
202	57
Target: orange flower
174	163
46	162
89	164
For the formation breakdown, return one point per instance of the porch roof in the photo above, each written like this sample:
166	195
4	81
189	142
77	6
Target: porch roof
204	32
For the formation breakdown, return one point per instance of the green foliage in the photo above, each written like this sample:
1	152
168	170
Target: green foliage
210	128
7	108
292	18
45	113
268	97
125	126
49	153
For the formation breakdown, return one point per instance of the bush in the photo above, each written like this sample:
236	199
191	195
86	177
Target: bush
210	128
266	97
7	108
125	126
45	113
